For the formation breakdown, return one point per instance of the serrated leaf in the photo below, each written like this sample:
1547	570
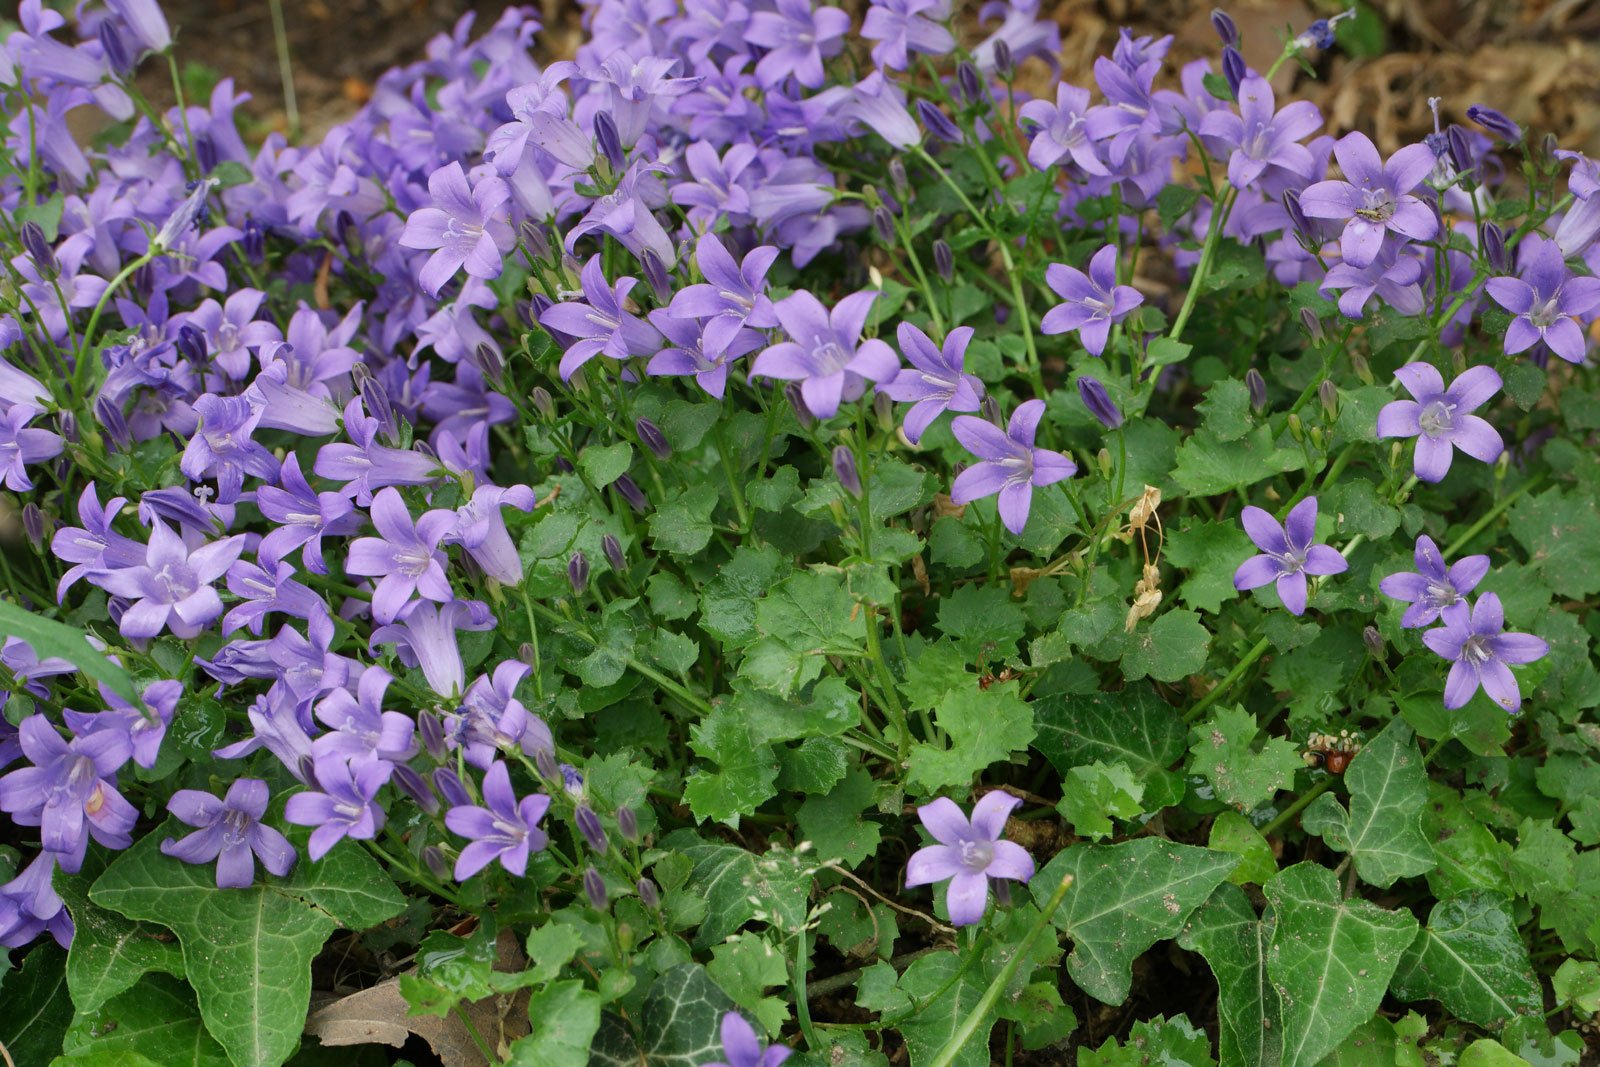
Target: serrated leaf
678	1025
1210	552
1471	959
746	768
1168	650
1135	727
1207	465
835	823
1125	898
983	727
565	1017
739	886
1091	794
1383	829
1170	1042
1226	409
1223	752
935	1020
47	637
156	1018
681	525
1330	960
604	464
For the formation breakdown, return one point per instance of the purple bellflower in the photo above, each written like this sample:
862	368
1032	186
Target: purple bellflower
144	727
359	730
1547	301
301	516
1261	136
935	382
797	37
1480	650
70	791
1011	465
343	807
466	227
493	720
29	906
229	831
825	353
742	1048
22	445
424	635
94	546
686	352
733	295
602	324
406	555
481	530
1069	128
968	853
172	589
635	86
1288	553
1375	198
1432	587
1093	301
1394	278
1440	418
505	829
222	448
902	27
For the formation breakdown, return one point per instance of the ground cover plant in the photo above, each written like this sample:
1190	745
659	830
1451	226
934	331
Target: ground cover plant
768	542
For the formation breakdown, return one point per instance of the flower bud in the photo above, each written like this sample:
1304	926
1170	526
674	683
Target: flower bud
989	408
254	242
791	393
35	244
563	465
191	343
571	780
898	177
883	224
544	761
344	225
589	826
629	490
1226	30
594	887
1102	460
578	573
1373	640
191	213
970	82
487	358
651	437
656	273
883	410
628	824
115	48
33	524
1257	386
649	895
612	549
1492	240
1328	397
305	767
1004	63
450	788
67	421
411	784
944	261
109	415
1313	326
535	240
1297	429
1495	122
844	469
1098	401
1362	367
1318	438
937	122
542	401
1303	229
609	141
117	606
432	731
1234	69
433	857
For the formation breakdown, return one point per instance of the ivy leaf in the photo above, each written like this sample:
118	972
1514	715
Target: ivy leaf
1383	829
746	768
1223	752
1248	1012
51	638
109	953
156	1018
565	1017
1472	959
1330	960
1169	650
1232	832
679	1024
737	885
1092	793
747	965
1134	727
1170	1042
934	1021
1125	898
248	952
38	1007
983	727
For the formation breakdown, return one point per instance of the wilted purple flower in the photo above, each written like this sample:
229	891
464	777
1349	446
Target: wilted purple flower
466	227
602	325
230	832
300	516
902	27
1432	587
359	730
742	1047
1011	465
424	635
733	295
1546	300
172	588
1374	198
1261	136
1069	127
935	381
29	906
505	829
1480	650
1093	301
343	806
1099	402
406	555
1288	553
968	853
70	791
222	449
481	529
1440	418
797	38
825	353
21	445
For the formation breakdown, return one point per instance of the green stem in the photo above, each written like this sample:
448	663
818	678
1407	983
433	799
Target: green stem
78	374
533	639
802	1008
1297	807
1233	676
733	478
291	109
1208	253
891	697
1489	516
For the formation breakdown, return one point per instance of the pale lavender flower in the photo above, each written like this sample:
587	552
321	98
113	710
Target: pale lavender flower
968	853
232	330
481	530
145	727
343	806
1069	128
935	382
229	831
600	322
1374	198
506	829
466	227
1547	300
30	906
1440	418
366	464
797	37
172	589
1261	136
359	730
1093	301
719	185
825	353
95	545
1397	280
1432	587
902	27
733	295
405	556
1011	466
625	214
880	104
686	352
635	85
1288	553
266	586
1480	650
70	790
539	116
493	720
22	445
301	516
742	1048
145	21
425	636
222	449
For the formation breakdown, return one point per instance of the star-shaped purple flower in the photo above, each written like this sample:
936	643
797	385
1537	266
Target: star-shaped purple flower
1287	553
172	588
968	853
743	1048
602	326
1547	301
935	382
907	26
1439	418
359	730
505	830
222	449
1432	587
1480	650
229	831
733	295
22	445
70	791
1093	301
1375	198
342	805
406	555
1011	465
797	36
466	226
825	353
1261	136
1067	128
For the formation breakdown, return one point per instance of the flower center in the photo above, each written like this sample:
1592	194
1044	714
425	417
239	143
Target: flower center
1378	205
174	582
1442	594
830	356
235	828
227	338
456	230
1257	141
512	832
1545	315
1437	418
1475	650
413	561
977	855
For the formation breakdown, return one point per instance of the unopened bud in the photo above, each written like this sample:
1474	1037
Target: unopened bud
797	401
589	826
883	410
989	408
115	48
937	122
1226	30
33	524
412	785
898	177
1362	367
844	468
191	343
611	548
1099	403
969	82
1462	154
1318	438
1492	240
1257	387
1004	63
578	573
534	240
594	887
883	224
1495	122
376	398
1297	430
1313	326
432	732
68	423
344	224
109	415
656	273
944	261
433	856
44	257
649	895
1373	640
255	239
1328	397
609	141
628	824
544	761
450	788
1102	461
1234	69
1303	231
629	490
542	401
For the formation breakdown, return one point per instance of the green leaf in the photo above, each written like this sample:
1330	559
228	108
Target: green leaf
1170	1042
1207	465
744	967
737	886
109	952
682	524
679	1024
983	727
1226	409
835	823
565	1017
155	1018
935	1021
980	616
37	1005
1330	961
1249	1032
1170	650
746	766
807	616
1232	832
604	464
1560	530
1135	727
1383	829
1125	898
1577	982
1210	552
1223	753
1471	959
551	947
1092	793
728	602
1486	1052
48	637
248	952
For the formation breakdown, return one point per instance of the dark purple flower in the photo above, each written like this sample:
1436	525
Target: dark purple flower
968	853
1093	301
466	227
405	555
902	27
1480	650
1099	402
1547	301
1261	136
1494	121
825	353
505	829
1432	587
1288	553
1011	465
231	832
1440	418
1374	198
343	806
797	37
172	589
601	324
70	790
935	381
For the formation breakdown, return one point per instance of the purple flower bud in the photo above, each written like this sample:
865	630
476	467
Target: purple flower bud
1495	122
564	465
534	240
115	48
797	401
883	410
629	490
989	408
433	856
1004	64
488	360
35	244
1225	28
344	225
432	732
609	141
450	788
844	468
191	344
628	824
376	398
116	607
1462	154
1297	218
883	224
589	826
944	261
897	176
612	548
255	240
1328	397
1373	640
571	780
412	785
1321	33
33	524
937	122
205	154
594	887
1099	403
578	573
1257	387
1234	69
1492	240
544	761
109	415
651	437
542	401
68	423
649	895
655	272
970	83
1313	325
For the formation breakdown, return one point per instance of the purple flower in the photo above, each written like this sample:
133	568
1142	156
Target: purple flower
425	636
1440	419
1287	553
881	105
1011	465
229	831
905	26
231	330
21	445
366	464
144	727
1546	300
29	906
1480	649
467	228
481	530
935	382
1396	280
94	546
733	295
344	806
221	449
686	352
635	86
300	516
145	21
505	829
359	730
743	1048
602	326
1262	136
492	719
1067	128
1093	301
70	791
719	187
825	353
1375	197
1432	587
968	853
172	588
405	555
624	214
797	37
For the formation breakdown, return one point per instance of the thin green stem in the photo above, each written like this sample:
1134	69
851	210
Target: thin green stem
1255	653
802	1007
1208	254
891	697
1283	817
1492	514
280	37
